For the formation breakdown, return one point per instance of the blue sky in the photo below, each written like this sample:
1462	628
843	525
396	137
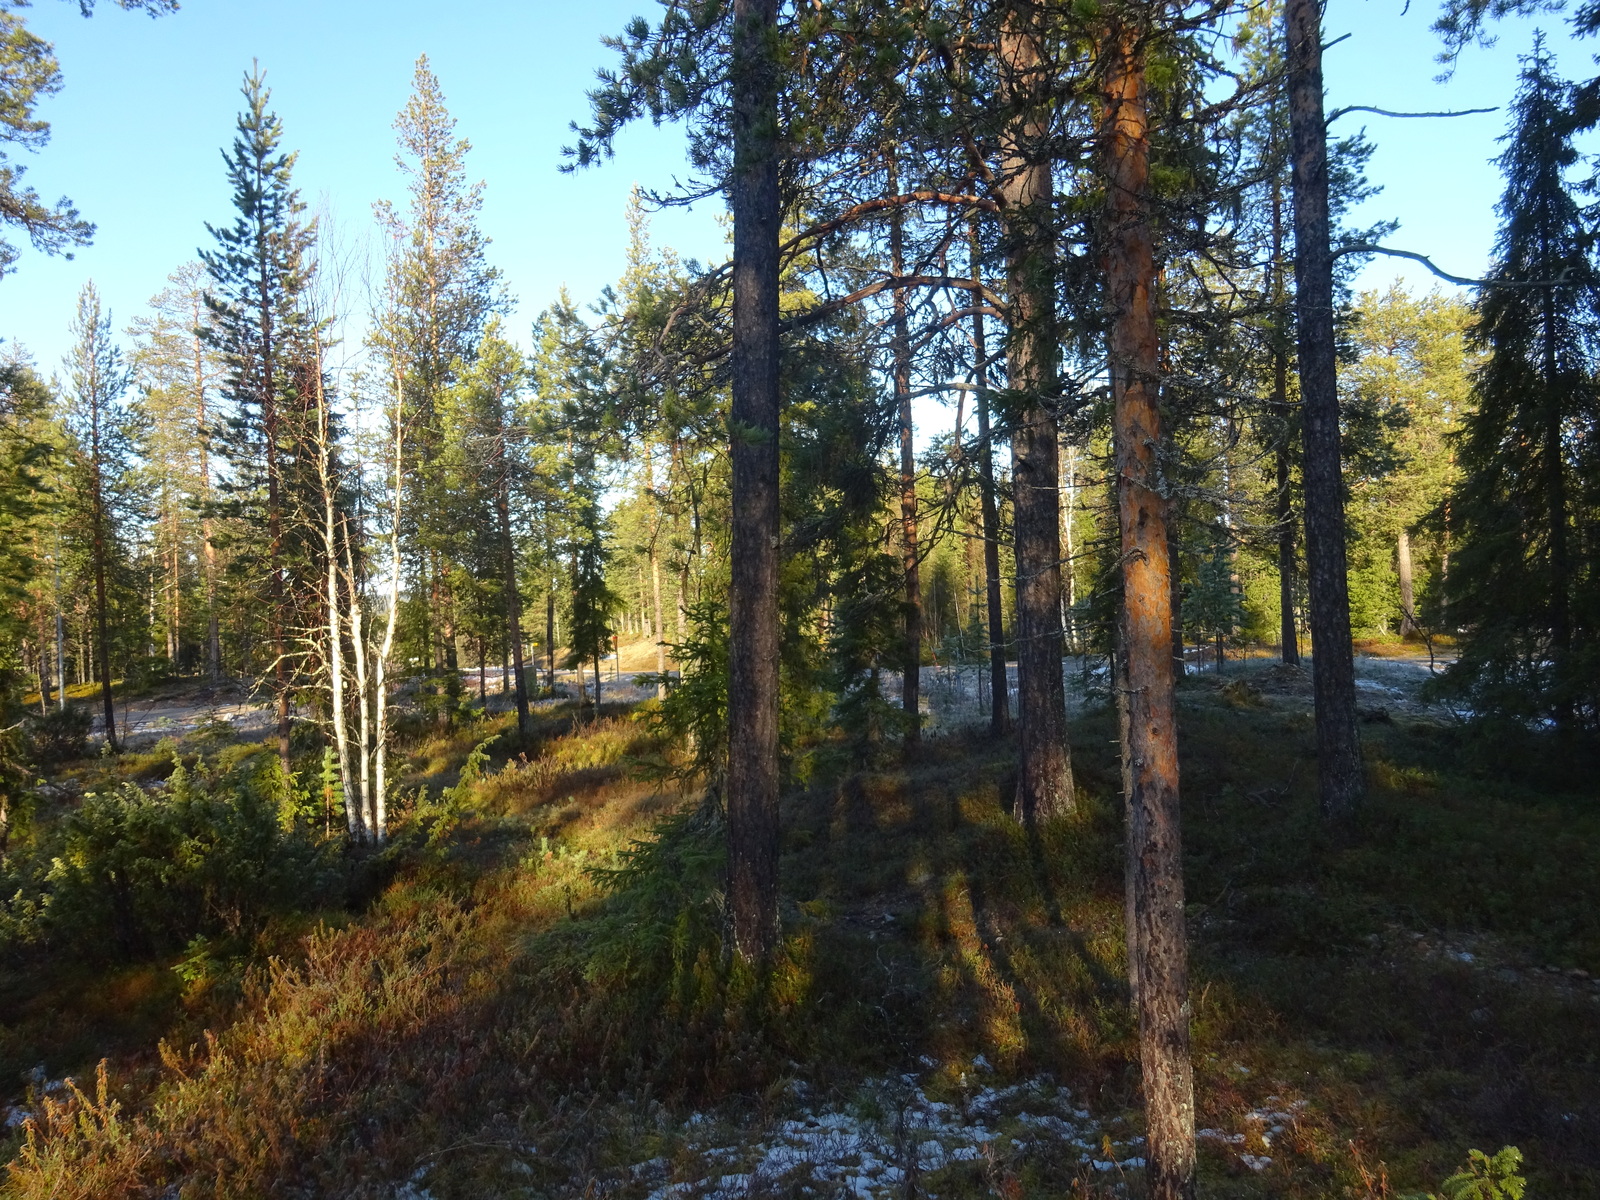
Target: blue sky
147	105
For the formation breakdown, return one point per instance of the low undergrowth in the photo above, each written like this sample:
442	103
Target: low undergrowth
537	1002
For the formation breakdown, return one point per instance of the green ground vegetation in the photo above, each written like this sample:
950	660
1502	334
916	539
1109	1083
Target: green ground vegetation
525	993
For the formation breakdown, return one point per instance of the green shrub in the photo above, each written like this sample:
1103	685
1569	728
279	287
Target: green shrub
59	735
665	907
136	873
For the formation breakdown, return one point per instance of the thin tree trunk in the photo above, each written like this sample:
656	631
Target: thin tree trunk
102	635
911	663
61	644
1175	585
1069	594
378	819
1044	775
1149	727
999	683
752	799
1408	603
208	548
43	663
550	633
508	550
1555	483
335	620
658	620
1289	629
1339	765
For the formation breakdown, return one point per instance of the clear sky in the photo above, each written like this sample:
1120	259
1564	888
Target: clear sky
147	105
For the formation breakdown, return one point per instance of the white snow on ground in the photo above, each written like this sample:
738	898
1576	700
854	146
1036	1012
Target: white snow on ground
866	1149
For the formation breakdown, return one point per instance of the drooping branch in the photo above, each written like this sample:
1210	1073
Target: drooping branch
1372	248
1385	112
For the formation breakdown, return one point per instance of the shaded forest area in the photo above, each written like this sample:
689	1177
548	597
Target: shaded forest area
733	741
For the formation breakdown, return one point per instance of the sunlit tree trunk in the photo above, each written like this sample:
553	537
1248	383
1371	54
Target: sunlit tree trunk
1408	603
1157	948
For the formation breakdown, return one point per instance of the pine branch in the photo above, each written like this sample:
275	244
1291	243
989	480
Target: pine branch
1385	112
1370	248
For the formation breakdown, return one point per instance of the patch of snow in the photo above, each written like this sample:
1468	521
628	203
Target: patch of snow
845	1153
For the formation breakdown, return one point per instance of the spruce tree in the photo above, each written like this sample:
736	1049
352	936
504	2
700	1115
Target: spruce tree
259	270
1523	582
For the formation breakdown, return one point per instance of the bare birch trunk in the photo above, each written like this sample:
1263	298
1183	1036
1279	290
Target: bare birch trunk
335	620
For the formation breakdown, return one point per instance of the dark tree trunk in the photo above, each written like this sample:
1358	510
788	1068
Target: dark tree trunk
999	681
1175	587
1339	766
1044	775
911	667
1289	630
1156	939
1555	484
502	504
752	796
102	635
44	665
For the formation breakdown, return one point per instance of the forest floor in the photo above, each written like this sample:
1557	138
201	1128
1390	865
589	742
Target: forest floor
524	1007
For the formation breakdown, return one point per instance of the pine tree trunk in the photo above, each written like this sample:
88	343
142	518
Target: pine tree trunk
1175	586
1408	604
44	668
208	547
1289	629
1555	486
657	618
1044	775
999	680
550	633
911	666
1339	765
100	551
752	798
508	550
1149	727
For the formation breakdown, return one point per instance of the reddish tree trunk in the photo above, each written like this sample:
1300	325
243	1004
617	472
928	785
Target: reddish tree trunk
1158	955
